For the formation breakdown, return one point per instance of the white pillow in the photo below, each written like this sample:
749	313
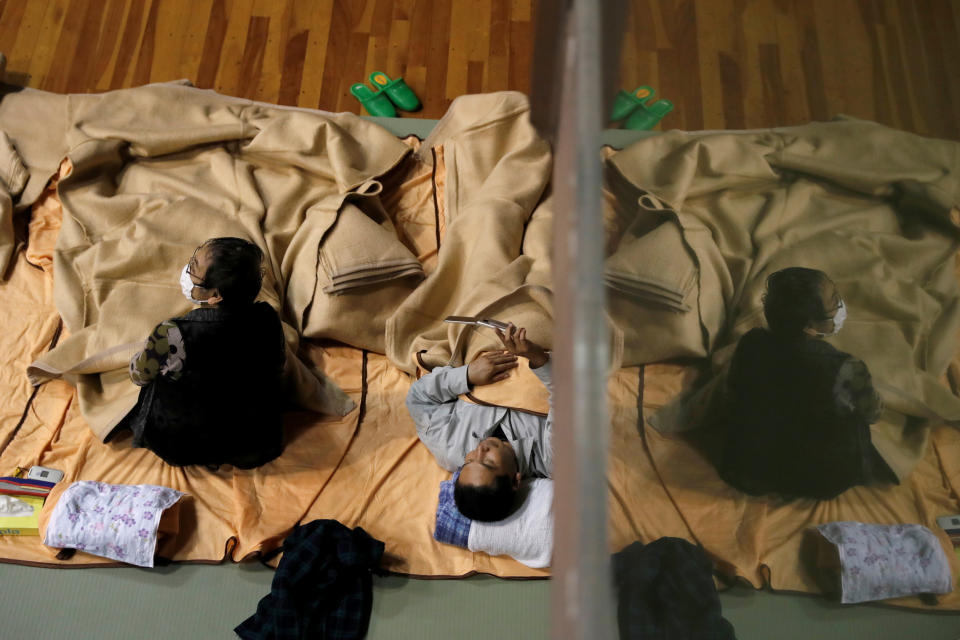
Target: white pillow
527	534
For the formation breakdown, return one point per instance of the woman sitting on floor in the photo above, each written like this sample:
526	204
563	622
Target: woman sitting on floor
798	411
211	379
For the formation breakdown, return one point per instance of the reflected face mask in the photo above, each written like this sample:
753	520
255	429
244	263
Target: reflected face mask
838	319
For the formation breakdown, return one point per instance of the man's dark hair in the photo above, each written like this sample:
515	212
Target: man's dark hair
234	270
486	503
793	300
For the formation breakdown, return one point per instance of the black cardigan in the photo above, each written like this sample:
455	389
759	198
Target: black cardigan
797	416
225	407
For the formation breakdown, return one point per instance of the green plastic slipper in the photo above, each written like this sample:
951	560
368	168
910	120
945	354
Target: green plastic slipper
647	117
626	103
397	90
376	104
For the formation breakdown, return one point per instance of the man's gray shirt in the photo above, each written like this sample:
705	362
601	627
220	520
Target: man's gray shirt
451	427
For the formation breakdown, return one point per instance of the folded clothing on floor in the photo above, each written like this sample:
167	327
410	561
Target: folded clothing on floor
653	265
666	590
323	587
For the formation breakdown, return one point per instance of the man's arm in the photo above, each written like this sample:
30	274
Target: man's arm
545	373
515	340
432	402
441	387
436	393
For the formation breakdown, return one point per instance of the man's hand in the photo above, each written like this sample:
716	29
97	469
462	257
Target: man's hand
490	367
515	340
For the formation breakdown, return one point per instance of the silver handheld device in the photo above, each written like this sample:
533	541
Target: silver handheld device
483	322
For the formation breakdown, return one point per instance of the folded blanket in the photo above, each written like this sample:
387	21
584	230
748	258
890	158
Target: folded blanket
654	267
359	251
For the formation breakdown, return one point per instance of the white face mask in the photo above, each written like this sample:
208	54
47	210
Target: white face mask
186	286
838	319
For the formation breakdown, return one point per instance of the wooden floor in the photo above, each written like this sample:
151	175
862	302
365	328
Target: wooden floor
724	63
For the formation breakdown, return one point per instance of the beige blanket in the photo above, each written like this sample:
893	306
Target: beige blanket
157	170
496	169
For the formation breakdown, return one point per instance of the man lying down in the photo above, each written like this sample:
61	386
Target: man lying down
211	380
494	447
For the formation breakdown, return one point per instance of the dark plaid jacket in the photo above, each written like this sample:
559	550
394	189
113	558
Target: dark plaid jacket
322	587
665	591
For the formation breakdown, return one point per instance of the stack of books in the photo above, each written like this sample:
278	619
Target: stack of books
16	520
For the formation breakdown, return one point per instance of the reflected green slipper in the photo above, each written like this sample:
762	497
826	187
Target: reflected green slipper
397	90
376	104
626	103
647	117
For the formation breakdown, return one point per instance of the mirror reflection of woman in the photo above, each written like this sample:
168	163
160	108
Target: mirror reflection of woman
211	379
798	410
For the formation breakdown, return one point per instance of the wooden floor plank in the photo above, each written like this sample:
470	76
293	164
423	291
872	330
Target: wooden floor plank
107	42
735	63
169	39
25	42
190	57
271	74
213	39
789	39
316	18
435	96
251	62
68	41
12	13
709	41
294	53
144	64
129	40
461	20
235	38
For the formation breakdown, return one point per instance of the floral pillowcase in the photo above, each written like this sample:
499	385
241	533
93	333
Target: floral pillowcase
114	521
887	561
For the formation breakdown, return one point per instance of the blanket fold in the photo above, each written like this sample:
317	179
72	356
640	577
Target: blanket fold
360	251
653	267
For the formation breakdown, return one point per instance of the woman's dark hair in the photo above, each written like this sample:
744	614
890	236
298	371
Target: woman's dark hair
794	299
486	503
234	270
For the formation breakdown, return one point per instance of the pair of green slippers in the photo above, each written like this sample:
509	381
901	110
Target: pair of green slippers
389	93
637	110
